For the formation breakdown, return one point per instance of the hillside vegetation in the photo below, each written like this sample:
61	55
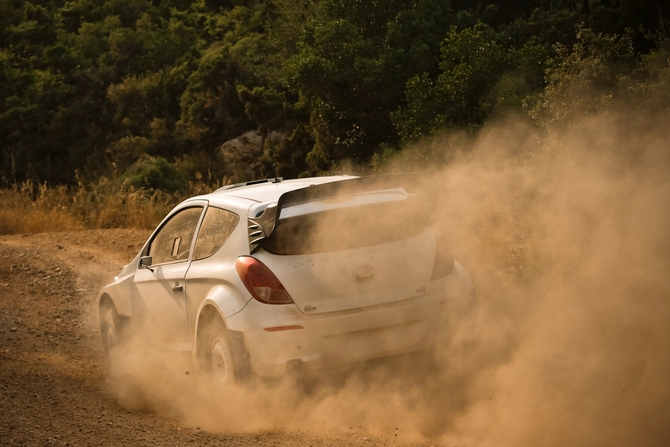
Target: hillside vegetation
110	107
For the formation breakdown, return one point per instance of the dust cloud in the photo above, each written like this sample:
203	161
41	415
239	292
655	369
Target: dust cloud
566	234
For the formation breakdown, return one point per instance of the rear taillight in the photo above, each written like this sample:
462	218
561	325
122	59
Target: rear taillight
261	282
444	262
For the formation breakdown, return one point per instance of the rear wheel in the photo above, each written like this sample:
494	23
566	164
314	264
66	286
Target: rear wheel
223	356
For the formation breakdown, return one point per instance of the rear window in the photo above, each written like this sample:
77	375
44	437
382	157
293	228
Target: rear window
216	228
347	228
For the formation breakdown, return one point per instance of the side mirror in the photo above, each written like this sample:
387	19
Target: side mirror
145	262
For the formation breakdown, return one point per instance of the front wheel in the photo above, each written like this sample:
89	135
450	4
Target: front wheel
110	329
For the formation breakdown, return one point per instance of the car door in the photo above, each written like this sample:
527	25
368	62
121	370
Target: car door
159	291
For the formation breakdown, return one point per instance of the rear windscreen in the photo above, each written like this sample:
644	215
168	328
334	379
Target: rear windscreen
347	228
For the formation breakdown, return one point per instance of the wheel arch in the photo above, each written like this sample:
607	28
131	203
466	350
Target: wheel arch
118	293
209	311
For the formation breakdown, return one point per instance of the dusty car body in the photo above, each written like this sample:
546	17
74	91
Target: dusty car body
271	275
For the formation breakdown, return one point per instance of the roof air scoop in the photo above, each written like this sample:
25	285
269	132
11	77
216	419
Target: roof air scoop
261	227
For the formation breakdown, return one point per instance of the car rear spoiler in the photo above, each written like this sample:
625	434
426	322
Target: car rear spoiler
260	228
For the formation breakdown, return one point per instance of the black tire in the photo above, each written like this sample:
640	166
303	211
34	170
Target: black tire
111	329
223	356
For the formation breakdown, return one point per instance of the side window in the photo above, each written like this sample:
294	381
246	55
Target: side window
216	227
173	241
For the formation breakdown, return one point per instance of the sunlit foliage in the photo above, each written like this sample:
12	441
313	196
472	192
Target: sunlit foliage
94	89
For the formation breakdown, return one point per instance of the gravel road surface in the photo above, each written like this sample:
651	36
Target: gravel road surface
54	388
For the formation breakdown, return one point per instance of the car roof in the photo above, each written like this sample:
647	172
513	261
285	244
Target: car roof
271	189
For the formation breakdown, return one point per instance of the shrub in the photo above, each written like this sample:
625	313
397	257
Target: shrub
155	173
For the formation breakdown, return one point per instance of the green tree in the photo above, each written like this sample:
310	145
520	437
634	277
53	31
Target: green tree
352	62
587	77
471	63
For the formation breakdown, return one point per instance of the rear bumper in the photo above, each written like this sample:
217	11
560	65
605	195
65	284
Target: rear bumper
328	339
333	340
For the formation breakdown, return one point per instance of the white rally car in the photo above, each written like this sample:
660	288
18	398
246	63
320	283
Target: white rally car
270	275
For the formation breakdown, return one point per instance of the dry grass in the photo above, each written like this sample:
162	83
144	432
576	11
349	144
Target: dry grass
28	209
37	208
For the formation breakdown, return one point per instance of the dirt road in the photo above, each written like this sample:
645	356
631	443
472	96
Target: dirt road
53	376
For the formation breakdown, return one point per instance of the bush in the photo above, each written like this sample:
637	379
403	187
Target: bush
155	173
